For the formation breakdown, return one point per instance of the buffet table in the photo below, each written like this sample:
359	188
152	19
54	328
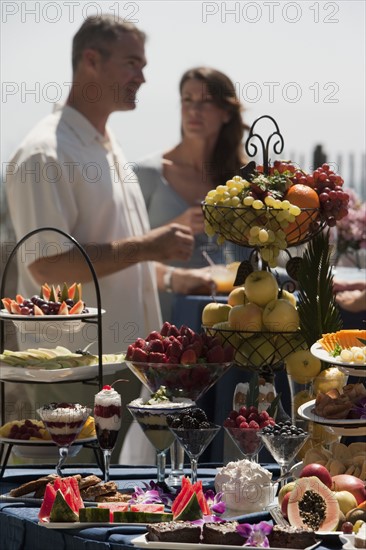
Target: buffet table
19	529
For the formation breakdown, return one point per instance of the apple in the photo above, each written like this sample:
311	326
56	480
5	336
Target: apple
280	316
261	287
215	312
284	504
247	318
347	482
319	471
329	379
255	351
290	296
284	490
228	335
237	297
288	343
346	501
302	366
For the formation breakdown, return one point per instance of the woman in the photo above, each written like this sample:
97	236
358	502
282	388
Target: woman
210	152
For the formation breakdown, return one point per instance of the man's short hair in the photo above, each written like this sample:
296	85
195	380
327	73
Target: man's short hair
98	32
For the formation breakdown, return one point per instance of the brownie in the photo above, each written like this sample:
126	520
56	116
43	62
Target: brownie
173	531
291	537
222	533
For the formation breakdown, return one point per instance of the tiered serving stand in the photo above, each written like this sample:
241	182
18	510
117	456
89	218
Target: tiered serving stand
94	317
233	224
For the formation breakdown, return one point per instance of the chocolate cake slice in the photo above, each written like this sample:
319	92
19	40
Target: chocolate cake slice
174	531
291	537
222	533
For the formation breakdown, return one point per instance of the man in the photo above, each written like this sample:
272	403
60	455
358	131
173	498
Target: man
69	173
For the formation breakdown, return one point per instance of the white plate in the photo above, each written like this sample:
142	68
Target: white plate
350	368
42	449
143	543
58	375
86	525
340	426
348	541
48	325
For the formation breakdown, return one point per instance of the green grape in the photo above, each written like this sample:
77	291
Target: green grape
263	235
248	201
254	231
257	204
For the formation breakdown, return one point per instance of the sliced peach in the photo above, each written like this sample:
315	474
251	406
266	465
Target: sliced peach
71	291
77	308
64	310
14	307
7	302
79	291
46	291
37	310
19	299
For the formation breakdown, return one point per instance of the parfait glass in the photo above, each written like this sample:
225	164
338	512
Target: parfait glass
284	447
63	421
107	418
194	442
152	419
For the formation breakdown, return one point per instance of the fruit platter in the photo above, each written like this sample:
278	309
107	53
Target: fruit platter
56	364
54	303
344	348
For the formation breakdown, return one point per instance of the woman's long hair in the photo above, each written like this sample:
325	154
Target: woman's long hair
228	155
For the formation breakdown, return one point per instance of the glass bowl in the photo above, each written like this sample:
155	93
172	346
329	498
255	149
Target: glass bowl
188	381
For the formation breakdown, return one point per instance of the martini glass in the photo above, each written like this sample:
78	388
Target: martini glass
152	419
284	447
194	442
247	440
63	421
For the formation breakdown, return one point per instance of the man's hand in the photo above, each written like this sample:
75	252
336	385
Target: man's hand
169	242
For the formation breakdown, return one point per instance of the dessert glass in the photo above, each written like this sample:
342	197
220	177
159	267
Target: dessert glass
247	441
63	421
107	418
152	419
194	442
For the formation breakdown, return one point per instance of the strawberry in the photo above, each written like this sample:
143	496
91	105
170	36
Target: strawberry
139	355
130	350
188	357
154	335
165	329
140	343
155	346
155	357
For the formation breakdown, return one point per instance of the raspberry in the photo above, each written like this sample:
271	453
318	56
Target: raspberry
244	425
239	419
243	411
234	414
264	415
253	425
229	423
253	409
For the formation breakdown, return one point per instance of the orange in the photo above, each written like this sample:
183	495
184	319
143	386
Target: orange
304	197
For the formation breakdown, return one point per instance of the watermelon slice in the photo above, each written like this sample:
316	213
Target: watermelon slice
114	507
142	507
185	495
77	497
48	500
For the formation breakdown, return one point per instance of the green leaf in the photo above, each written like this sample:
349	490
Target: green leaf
318	310
253	391
272	409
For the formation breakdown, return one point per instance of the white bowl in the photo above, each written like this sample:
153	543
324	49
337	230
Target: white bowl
248	497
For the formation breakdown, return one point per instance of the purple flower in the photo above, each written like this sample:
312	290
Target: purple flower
359	409
207	519
150	495
215	502
256	535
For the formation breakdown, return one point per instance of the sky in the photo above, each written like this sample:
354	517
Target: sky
301	62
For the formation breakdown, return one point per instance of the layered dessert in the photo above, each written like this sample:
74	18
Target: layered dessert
64	421
107	416
246	486
152	417
291	537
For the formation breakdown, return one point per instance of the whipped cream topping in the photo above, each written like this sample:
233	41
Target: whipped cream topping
110	423
55	413
152	404
106	398
246	485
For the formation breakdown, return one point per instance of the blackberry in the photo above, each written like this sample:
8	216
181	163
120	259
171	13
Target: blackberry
175	423
189	423
199	414
204	425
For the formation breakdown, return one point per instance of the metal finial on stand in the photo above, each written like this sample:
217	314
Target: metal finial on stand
252	149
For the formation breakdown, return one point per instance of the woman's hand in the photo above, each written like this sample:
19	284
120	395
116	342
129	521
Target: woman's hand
193	218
